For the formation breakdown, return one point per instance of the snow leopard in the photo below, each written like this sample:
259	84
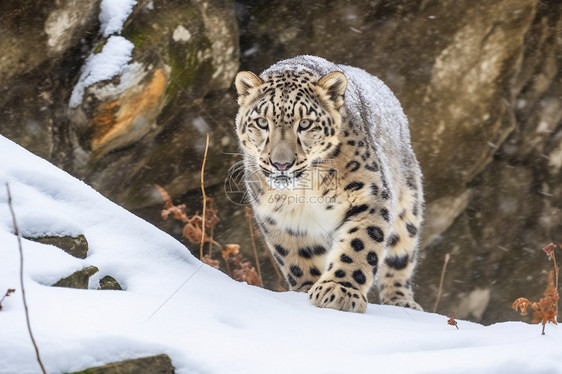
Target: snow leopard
335	186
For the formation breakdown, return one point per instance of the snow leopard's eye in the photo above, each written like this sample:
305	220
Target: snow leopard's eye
305	124
262	123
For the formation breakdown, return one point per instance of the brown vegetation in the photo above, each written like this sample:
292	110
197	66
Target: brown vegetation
546	309
452	321
8	293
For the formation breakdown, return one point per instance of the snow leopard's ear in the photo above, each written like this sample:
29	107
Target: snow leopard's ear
335	84
244	82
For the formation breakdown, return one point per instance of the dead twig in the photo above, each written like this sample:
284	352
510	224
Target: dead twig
204	196
211	242
440	290
8	293
21	281
556	270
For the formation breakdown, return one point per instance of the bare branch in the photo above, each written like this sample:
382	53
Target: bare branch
21	280
440	290
204	197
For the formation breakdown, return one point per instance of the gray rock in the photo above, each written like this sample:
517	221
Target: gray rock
42	47
184	58
109	283
160	364
77	279
159	108
74	246
49	30
441	214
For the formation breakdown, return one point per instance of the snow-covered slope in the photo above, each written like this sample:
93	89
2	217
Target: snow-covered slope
206	322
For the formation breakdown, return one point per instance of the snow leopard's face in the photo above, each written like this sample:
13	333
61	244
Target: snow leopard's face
289	122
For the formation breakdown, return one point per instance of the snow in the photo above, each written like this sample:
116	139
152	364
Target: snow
115	54
206	322
110	62
113	13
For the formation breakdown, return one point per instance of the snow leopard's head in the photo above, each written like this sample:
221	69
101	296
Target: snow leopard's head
290	121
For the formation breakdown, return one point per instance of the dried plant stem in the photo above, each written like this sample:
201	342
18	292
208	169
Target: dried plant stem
228	271
21	281
8	293
252	236
440	290
211	241
204	197
556	284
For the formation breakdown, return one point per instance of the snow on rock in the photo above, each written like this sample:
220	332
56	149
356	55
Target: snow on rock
113	13
110	62
206	322
115	54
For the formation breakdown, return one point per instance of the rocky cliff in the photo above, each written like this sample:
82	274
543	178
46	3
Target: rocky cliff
479	81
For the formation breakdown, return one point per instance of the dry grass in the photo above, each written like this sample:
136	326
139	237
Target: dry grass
195	227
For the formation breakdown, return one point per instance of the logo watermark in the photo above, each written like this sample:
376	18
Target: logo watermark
241	187
284	198
235	187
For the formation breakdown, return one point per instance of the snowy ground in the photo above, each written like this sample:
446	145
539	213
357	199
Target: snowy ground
206	322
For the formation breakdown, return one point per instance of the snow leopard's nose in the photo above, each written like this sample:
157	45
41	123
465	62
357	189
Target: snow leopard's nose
282	155
282	166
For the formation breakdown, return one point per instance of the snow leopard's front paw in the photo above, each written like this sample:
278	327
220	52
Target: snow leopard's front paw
330	294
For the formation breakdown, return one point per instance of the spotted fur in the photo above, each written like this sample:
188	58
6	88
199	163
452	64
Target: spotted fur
336	188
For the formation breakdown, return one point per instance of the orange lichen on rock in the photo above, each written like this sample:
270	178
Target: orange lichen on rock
129	117
103	122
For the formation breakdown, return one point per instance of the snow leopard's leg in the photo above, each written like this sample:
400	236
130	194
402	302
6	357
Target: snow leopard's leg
300	257
395	277
359	245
